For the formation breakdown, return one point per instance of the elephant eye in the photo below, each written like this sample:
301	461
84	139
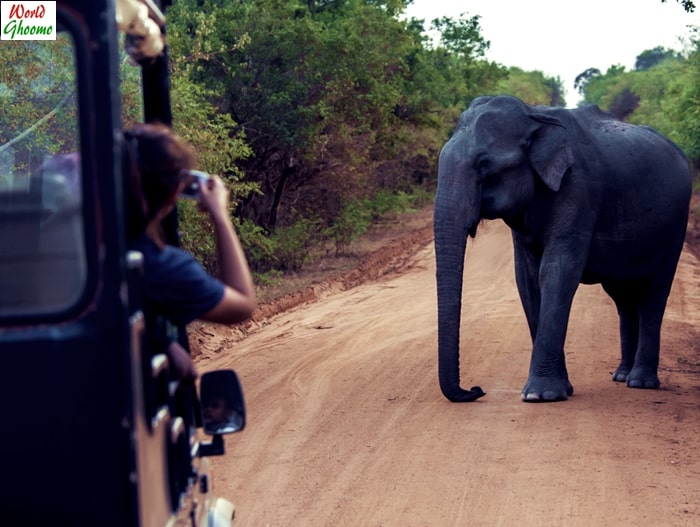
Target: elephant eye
482	165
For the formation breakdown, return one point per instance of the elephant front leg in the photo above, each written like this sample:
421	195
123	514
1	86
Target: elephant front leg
548	379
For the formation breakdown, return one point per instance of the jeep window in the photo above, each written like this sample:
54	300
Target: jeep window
42	250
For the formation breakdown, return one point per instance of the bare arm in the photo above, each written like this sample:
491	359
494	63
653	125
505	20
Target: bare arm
238	302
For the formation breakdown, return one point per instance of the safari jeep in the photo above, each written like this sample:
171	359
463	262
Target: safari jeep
97	430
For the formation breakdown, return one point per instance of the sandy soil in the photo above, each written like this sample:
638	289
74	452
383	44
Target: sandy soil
347	426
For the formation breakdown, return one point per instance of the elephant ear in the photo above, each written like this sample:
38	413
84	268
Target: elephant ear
550	152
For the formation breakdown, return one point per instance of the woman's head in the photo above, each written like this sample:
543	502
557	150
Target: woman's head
154	162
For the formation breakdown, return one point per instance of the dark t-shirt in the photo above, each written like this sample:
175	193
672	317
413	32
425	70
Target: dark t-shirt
175	284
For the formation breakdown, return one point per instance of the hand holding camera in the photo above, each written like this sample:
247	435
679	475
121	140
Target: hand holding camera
193	189
210	192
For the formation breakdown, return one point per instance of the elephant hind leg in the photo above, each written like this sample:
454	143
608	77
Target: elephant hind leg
640	305
644	373
626	298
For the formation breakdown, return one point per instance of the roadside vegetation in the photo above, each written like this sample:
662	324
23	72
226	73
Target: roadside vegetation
662	91
326	116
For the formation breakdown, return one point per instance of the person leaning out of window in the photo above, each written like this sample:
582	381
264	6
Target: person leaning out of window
156	165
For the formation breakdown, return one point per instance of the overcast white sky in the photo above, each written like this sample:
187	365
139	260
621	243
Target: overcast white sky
565	37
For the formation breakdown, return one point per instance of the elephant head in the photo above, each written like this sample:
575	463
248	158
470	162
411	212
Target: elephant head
501	153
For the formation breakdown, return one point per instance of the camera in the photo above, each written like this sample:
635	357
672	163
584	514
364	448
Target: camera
193	189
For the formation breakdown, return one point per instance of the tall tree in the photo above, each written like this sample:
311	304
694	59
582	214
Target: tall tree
688	5
651	57
624	104
325	91
583	78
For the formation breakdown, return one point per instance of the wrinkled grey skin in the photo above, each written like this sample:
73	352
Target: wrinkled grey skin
589	199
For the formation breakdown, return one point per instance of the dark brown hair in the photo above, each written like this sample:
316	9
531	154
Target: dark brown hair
153	163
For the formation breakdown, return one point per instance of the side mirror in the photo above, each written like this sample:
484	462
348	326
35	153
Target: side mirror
223	406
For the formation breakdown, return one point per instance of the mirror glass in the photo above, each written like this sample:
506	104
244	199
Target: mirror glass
223	407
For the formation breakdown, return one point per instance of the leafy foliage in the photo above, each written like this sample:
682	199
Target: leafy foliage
359	215
662	92
324	116
688	5
342	102
583	78
533	87
624	104
683	107
327	93
651	57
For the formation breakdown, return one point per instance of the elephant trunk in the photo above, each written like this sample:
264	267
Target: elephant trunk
456	216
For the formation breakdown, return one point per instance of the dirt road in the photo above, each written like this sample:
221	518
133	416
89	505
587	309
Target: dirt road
347	426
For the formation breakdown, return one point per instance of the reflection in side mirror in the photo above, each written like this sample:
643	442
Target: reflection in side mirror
223	407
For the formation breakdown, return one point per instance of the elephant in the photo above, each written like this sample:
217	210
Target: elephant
589	199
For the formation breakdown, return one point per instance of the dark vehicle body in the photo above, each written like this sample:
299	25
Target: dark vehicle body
96	430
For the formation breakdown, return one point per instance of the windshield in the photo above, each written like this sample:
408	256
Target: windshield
42	254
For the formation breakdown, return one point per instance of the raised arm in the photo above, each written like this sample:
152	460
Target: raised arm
238	302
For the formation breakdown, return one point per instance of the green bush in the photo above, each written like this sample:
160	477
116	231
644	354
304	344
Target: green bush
292	244
258	246
357	216
388	204
290	247
354	220
197	234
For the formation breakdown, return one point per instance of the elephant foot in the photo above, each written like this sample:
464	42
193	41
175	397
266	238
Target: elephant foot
621	374
643	378
546	389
